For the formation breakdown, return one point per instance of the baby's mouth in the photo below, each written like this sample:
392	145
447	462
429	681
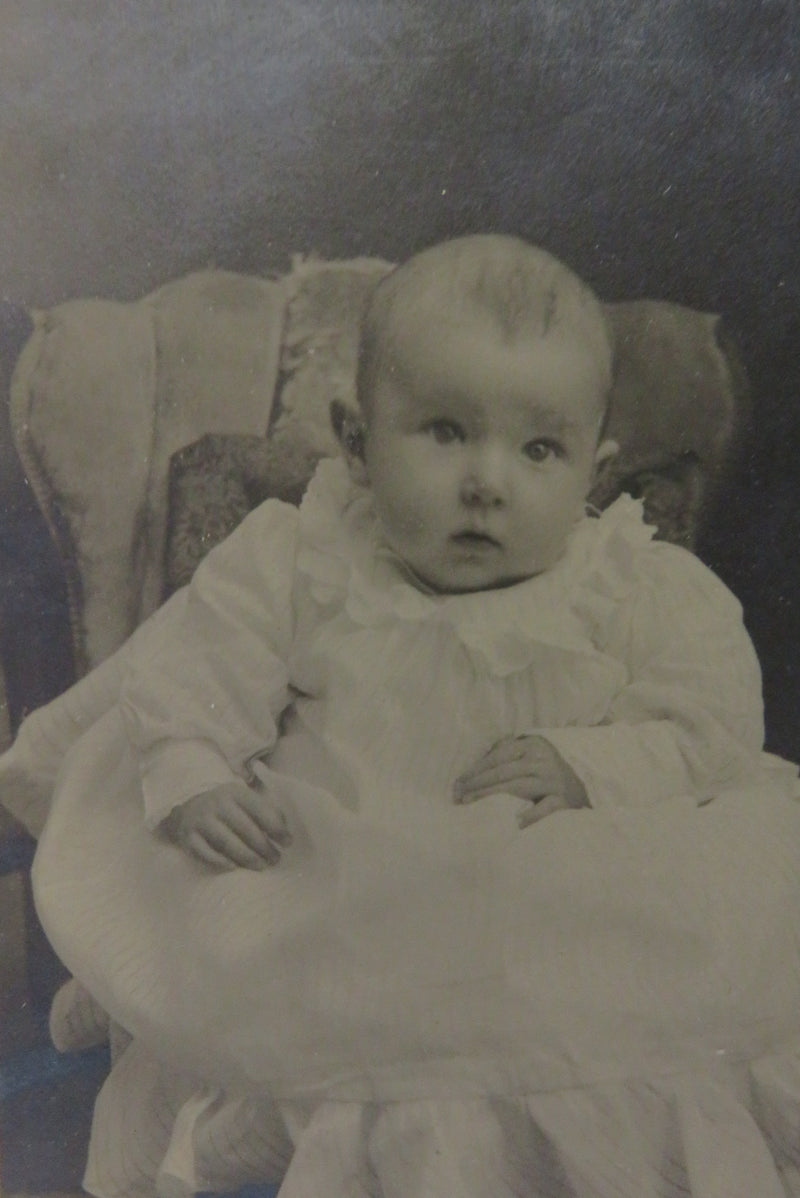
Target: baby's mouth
470	538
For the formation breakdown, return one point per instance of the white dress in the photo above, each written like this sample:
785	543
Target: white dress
421	999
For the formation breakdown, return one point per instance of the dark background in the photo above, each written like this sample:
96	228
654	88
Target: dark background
653	144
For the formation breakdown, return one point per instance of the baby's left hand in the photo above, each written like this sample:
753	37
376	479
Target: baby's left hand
527	766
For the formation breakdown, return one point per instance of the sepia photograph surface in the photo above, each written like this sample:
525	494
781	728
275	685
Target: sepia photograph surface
399	616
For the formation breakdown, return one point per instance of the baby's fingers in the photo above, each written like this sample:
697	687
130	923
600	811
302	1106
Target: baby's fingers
239	820
511	777
540	810
249	849
256	834
502	752
196	844
263	810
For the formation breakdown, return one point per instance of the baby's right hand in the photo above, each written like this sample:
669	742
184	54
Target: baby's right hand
230	826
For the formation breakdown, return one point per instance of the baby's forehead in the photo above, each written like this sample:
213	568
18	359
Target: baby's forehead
475	371
493	289
548	309
419	341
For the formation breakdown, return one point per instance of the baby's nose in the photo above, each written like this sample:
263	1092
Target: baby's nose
485	483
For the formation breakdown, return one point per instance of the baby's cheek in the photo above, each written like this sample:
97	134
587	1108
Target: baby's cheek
544	546
407	517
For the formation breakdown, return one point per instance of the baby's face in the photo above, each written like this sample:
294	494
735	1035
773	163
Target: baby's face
480	453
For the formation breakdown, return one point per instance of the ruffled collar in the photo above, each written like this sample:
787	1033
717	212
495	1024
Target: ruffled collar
346	562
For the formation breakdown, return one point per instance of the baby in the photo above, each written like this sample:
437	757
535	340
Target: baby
384	981
483	386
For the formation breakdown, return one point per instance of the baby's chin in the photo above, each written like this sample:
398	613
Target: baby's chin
440	581
462	569
465	576
494	584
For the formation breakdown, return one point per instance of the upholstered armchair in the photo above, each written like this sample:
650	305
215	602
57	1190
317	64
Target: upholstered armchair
134	436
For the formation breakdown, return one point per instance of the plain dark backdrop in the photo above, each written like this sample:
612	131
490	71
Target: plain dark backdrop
653	144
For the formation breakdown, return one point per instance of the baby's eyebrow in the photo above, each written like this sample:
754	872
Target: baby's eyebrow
553	419
441	407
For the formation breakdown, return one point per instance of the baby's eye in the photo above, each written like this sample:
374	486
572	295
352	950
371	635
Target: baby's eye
542	450
444	432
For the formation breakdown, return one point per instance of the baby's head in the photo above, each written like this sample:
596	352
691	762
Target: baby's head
483	382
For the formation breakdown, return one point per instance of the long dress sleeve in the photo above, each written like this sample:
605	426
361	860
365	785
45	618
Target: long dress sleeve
204	692
690	719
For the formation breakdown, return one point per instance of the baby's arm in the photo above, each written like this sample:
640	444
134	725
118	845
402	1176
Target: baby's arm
204	693
688	722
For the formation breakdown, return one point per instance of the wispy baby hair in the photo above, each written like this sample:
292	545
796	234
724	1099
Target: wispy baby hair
522	290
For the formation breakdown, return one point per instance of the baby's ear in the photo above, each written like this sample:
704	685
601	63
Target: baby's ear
348	427
603	473
606	451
